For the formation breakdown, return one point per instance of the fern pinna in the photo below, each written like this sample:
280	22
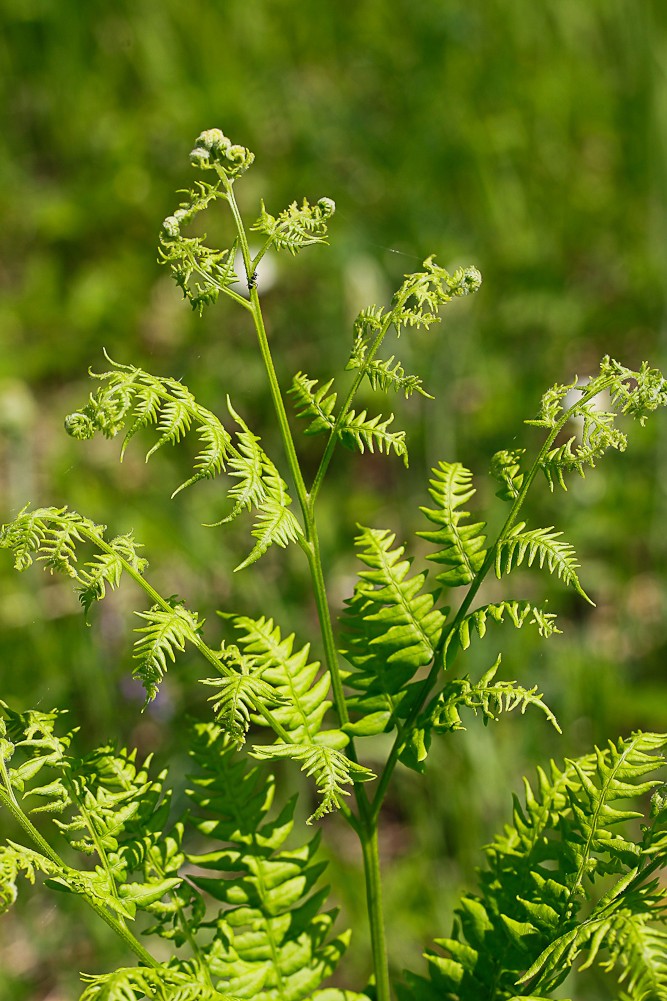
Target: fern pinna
235	899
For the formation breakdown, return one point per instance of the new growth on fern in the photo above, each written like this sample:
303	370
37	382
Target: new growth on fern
242	914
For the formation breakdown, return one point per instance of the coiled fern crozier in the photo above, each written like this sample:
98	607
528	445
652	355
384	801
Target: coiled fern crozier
241	914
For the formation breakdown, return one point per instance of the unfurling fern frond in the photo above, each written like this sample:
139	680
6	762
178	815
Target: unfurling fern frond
386	374
506	468
297	226
418	301
107	567
271	937
133	399
168	630
543	545
523	930
463	549
301	689
391	629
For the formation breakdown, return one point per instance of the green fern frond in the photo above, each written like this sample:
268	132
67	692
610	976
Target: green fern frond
50	534
330	768
390	374
358	431
518	613
16	860
463	549
271	937
506	468
106	568
543	545
167	631
275	522
418	301
240	693
391	629
316	405
162	983
524	926
133	399
299	684
483	697
297	226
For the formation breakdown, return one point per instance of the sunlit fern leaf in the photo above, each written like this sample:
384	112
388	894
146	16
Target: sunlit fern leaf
162	983
518	612
391	627
506	468
330	768
240	693
106	568
390	374
299	683
360	431
297	226
419	299
50	534
545	546
167	631
524	925
17	860
316	405
271	937
133	399
246	464
487	697
275	523
463	551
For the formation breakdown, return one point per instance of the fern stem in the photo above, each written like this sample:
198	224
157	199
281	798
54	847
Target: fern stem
7	799
371	856
447	634
343	412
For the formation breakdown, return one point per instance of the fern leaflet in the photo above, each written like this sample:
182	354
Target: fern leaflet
463	549
543	544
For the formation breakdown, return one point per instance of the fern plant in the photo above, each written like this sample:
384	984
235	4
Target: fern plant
237	899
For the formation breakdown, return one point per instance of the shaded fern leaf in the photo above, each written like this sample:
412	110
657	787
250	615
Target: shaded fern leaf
297	226
463	549
133	399
168	631
524	927
543	545
271	936
391	629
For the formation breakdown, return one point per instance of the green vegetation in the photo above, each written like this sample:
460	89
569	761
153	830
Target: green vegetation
569	881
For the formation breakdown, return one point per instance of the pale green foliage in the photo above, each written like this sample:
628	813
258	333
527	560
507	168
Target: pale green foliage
463	549
391	629
570	881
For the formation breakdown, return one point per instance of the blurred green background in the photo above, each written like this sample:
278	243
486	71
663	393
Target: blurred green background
526	138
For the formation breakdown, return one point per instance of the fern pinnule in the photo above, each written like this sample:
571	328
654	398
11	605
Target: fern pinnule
544	545
463	551
317	405
168	630
297	226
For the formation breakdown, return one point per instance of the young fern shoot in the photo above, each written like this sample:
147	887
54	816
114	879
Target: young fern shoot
259	926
